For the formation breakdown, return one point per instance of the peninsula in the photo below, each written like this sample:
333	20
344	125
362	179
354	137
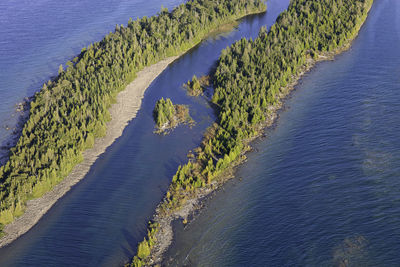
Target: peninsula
251	80
71	112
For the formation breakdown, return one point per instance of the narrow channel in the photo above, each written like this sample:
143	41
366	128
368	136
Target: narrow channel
323	188
102	219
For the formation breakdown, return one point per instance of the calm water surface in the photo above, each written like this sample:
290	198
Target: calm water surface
323	188
37	36
101	220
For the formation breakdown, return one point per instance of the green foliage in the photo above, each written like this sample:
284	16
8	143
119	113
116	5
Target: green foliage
164	112
145	246
143	249
251	77
194	87
195	83
1	231
167	115
137	262
71	110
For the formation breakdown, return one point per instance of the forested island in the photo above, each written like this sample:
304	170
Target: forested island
196	86
71	110
251	79
167	115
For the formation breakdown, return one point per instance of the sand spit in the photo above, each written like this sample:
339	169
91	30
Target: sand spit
126	108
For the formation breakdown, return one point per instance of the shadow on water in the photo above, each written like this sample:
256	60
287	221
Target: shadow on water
21	115
101	220
323	188
40	35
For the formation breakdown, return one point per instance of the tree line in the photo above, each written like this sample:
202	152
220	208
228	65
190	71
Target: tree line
251	77
70	111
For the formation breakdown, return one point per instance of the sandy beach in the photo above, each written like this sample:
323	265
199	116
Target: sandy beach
122	112
126	108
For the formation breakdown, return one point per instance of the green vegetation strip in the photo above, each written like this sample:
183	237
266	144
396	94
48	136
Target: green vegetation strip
71	111
250	81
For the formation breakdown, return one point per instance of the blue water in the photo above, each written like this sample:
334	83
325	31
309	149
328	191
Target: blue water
323	188
102	219
37	36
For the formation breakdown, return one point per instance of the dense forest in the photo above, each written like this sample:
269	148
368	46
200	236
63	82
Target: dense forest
167	115
70	111
252	77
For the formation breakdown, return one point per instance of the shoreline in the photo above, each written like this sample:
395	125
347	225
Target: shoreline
197	200
193	206
128	103
122	112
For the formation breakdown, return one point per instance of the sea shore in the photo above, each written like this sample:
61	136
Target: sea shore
196	201
122	112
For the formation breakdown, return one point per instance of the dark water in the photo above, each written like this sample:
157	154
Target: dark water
323	189
37	36
101	220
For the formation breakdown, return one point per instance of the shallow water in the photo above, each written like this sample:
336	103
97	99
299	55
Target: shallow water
323	188
102	219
